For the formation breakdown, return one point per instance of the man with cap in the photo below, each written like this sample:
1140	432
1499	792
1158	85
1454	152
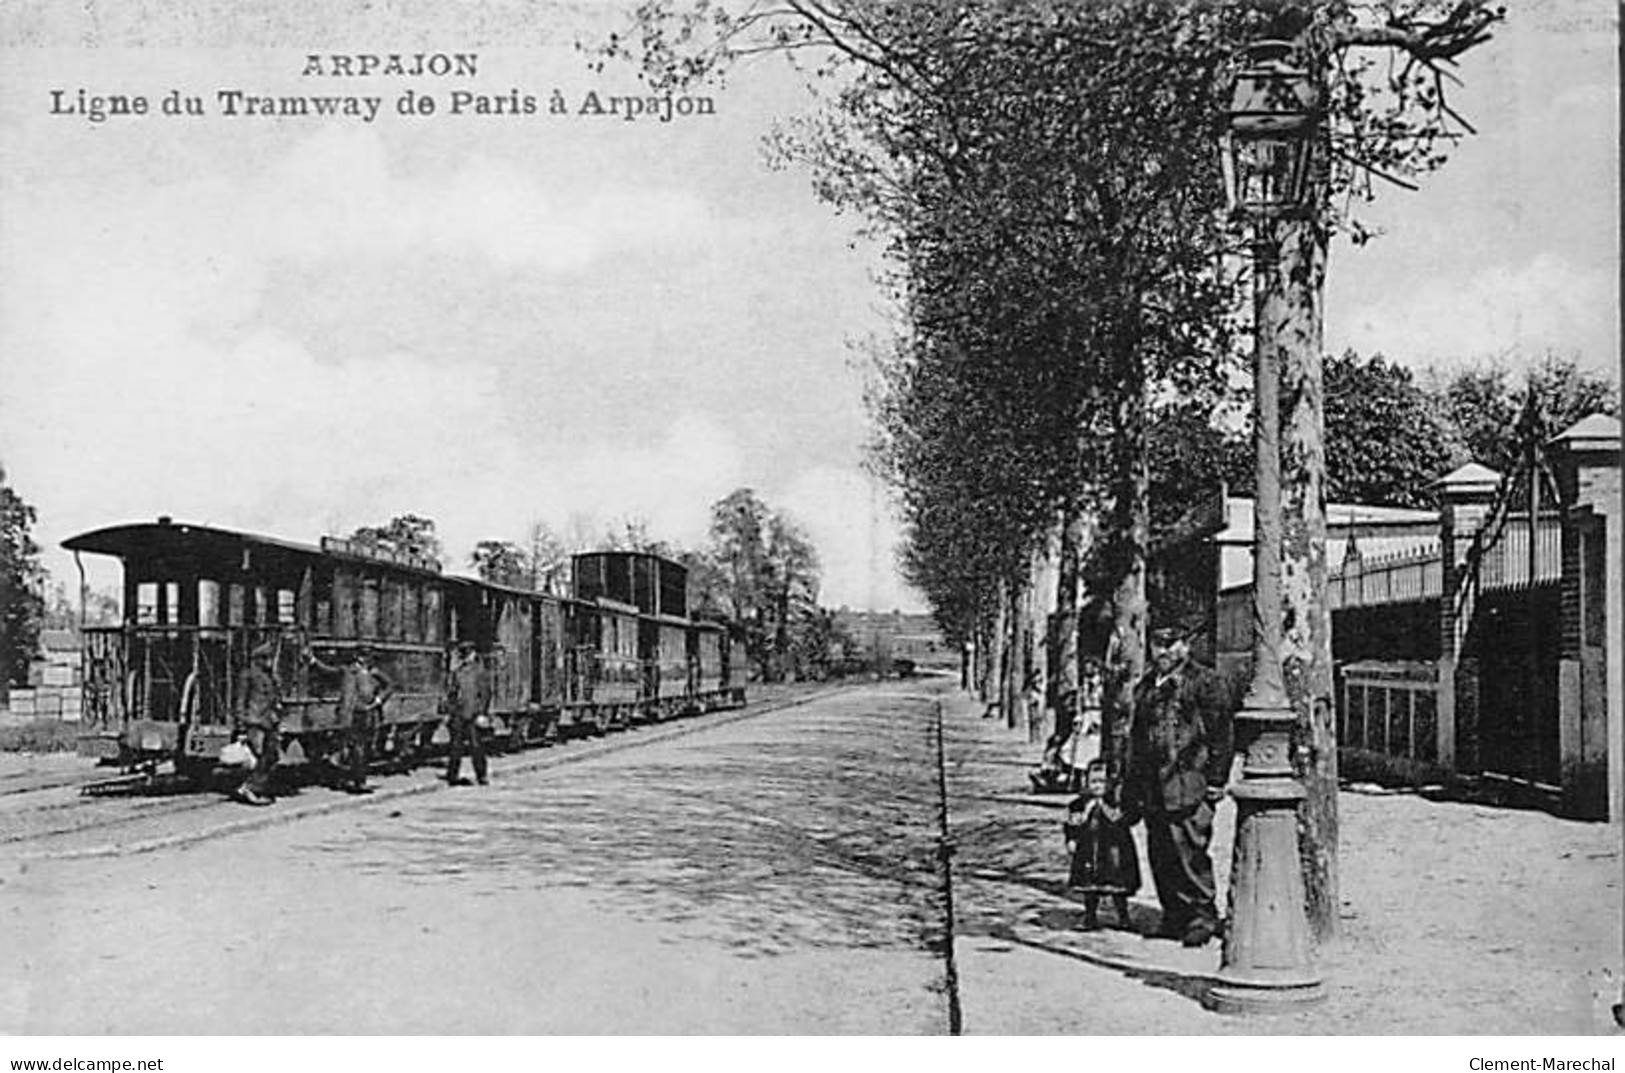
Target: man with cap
363	688
1179	756
467	702
260	723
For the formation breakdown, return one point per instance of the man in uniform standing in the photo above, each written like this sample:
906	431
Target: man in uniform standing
467	705
261	724
363	688
1179	756
362	694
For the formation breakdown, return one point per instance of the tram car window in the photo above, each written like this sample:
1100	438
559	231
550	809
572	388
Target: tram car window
705	664
167	683
663	655
551	649
618	683
580	622
433	615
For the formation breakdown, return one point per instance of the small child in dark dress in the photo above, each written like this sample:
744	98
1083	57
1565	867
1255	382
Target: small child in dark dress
1104	860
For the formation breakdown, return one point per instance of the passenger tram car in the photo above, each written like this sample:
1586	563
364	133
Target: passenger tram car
167	682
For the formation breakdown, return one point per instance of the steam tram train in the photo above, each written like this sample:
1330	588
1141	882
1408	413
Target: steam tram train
167	683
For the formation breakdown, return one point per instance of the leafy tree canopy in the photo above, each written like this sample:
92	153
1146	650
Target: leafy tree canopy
22	607
501	562
1386	439
1486	403
407	534
765	573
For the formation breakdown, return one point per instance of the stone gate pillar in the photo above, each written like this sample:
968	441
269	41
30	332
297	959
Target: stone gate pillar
1465	496
1585	460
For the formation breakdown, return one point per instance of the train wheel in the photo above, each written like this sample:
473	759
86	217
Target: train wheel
197	771
403	749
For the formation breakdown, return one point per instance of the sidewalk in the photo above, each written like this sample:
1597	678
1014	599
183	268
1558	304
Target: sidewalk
1457	919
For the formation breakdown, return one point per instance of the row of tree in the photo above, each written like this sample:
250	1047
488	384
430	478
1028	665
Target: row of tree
1046	180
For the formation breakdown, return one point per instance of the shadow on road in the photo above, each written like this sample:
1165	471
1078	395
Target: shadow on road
1191	985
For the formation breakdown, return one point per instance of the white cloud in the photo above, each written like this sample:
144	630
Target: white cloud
669	483
199	250
349	332
849	517
146	375
337	195
1546	303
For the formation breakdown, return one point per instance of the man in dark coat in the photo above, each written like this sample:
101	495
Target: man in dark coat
467	704
261	724
1179	756
362	693
363	688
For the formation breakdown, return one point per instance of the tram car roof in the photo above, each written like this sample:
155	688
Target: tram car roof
623	553
512	590
201	547
653	584
172	542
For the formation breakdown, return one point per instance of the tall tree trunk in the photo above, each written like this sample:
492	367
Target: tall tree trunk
11	610
996	658
1010	683
1129	540
978	654
1032	662
781	636
1041	606
1306	652
1065	677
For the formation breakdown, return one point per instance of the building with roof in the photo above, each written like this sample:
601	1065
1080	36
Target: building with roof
1481	640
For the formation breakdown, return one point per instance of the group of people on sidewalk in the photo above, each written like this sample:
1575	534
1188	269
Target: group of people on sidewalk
363	689
1175	761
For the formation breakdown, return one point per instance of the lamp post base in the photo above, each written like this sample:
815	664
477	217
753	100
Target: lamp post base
1263	999
1268	963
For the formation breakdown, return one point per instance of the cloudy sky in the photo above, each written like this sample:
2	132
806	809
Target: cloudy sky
302	325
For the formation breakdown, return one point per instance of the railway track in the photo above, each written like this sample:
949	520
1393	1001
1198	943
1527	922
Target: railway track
57	818
29	782
59	821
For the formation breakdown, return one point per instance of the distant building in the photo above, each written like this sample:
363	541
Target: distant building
58	663
881	637
1482	640
1351	529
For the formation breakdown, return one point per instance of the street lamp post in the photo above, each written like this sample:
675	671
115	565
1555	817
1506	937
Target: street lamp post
1268	959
